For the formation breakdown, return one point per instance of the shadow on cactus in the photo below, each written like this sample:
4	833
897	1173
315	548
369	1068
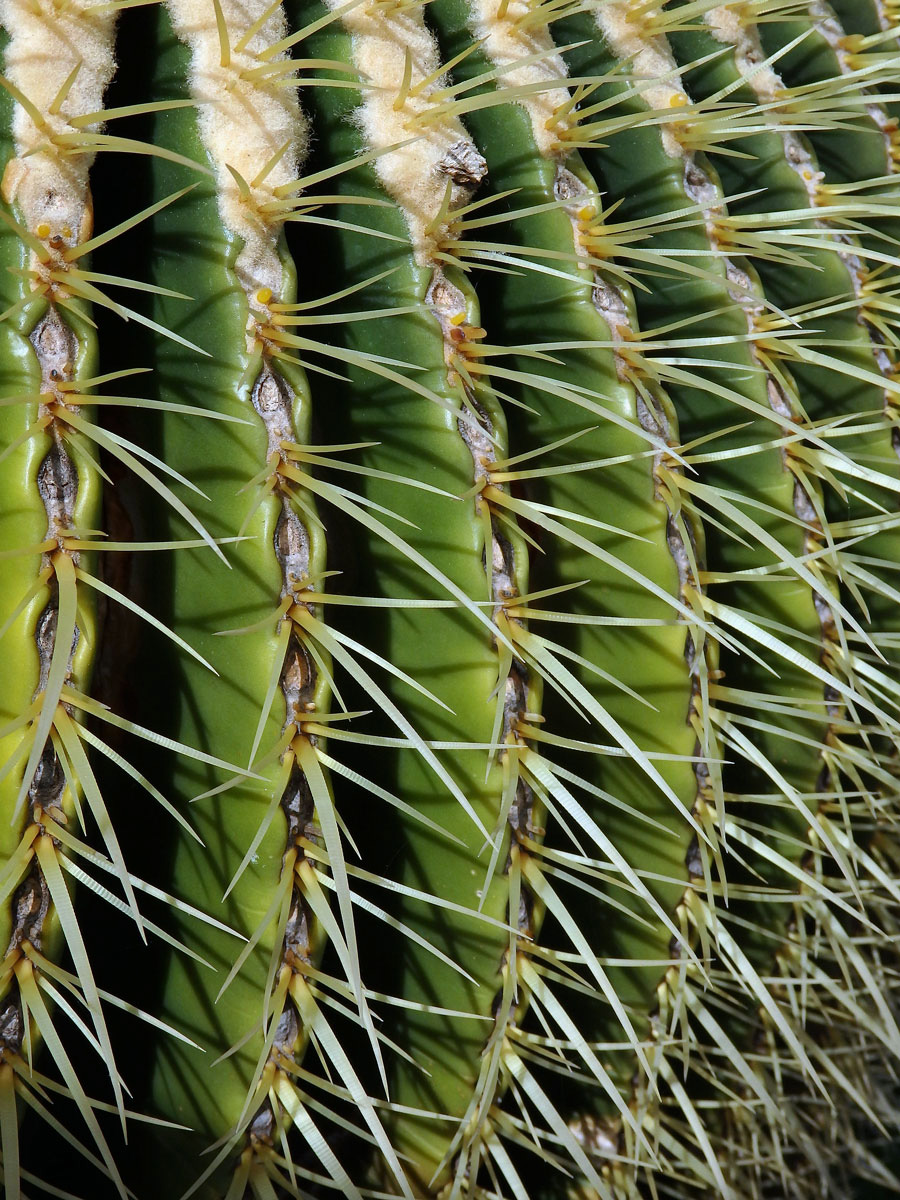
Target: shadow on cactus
450	532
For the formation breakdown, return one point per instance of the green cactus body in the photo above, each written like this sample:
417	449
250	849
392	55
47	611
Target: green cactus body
523	438
24	525
845	341
265	839
617	425
26	598
455	655
726	393
870	34
863	152
786	160
729	403
871	20
52	511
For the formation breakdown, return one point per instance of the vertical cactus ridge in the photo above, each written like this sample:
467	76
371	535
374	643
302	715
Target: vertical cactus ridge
867	140
807	758
802	166
864	152
743	481
837	755
561	216
699	307
238	67
283	830
58	64
489	558
870	38
518	460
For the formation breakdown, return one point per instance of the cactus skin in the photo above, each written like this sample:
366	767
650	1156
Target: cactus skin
555	791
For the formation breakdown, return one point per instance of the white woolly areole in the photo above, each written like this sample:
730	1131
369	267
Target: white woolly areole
652	65
416	175
507	40
832	31
885	20
244	123
50	184
726	27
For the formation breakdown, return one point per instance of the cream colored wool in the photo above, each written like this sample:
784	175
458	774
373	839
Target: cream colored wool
244	123
727	27
415	175
508	42
652	66
48	182
832	31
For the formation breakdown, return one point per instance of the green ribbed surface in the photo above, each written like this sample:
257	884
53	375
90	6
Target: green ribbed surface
670	338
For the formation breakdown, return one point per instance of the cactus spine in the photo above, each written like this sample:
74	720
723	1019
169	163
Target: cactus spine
499	758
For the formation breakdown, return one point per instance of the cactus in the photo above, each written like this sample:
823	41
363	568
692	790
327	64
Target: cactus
450	715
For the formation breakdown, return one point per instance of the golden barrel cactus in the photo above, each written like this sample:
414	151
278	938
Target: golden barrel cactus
449	591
